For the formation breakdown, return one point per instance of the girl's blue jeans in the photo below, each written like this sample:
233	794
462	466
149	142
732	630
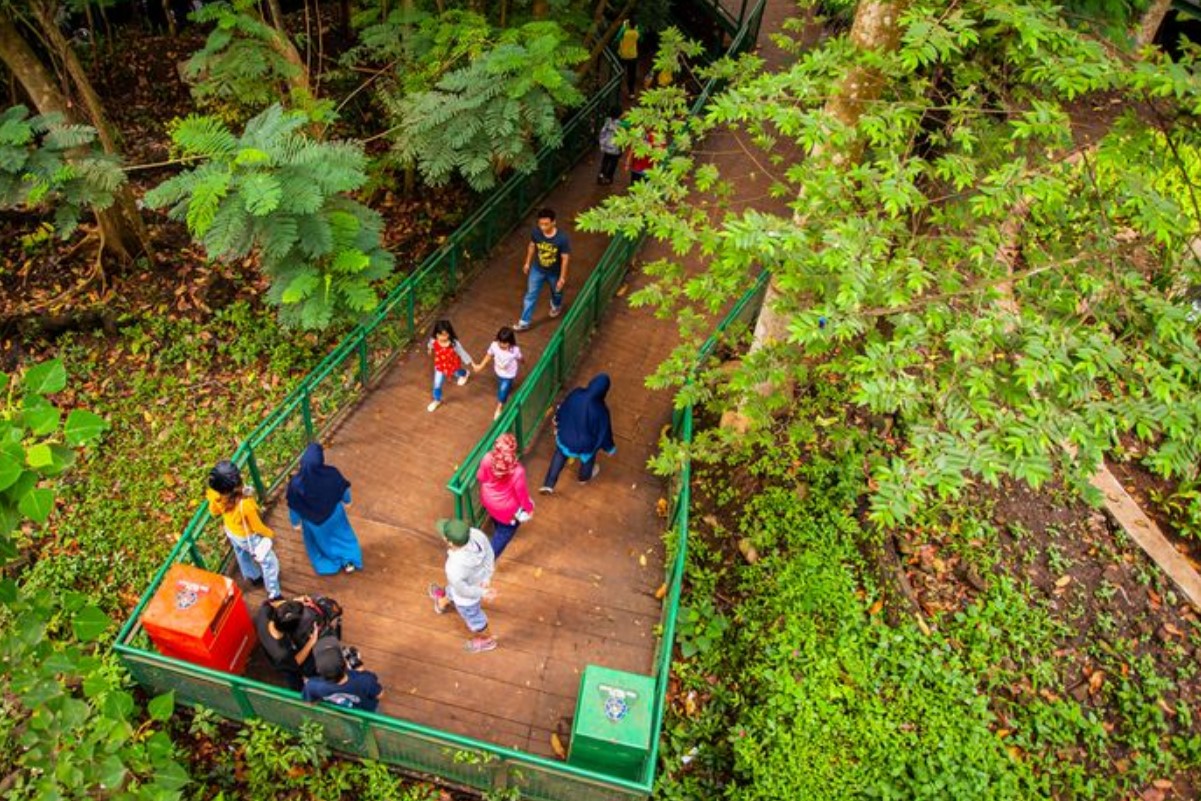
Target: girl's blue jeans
440	379
252	570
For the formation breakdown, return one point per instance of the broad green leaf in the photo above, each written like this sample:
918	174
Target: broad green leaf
111	772
83	427
161	706
45	378
39	456
8	591
41	419
61	458
37	504
90	623
10	470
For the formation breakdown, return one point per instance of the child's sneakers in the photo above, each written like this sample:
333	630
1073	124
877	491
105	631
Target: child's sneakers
461	380
437	593
434	404
496	414
477	645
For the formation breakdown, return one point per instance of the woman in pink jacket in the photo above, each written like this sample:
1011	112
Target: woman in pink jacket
503	491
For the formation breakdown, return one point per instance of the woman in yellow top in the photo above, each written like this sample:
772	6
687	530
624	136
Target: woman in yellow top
252	541
627	51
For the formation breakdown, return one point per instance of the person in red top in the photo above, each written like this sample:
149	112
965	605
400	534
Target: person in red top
638	165
503	491
450	359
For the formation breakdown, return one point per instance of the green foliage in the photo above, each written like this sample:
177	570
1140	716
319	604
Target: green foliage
67	730
945	265
48	164
490	114
276	191
242	66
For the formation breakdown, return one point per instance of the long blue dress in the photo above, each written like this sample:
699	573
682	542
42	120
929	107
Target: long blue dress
331	545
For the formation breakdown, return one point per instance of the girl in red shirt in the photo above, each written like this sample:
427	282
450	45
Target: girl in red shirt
450	359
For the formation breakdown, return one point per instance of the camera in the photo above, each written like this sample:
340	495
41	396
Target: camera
351	655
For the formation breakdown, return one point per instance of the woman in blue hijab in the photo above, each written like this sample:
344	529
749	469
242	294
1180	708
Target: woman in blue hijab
582	428
317	496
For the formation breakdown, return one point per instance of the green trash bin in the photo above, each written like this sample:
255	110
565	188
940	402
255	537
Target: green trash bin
611	732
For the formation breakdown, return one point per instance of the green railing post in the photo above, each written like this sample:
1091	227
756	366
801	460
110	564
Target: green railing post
256	477
364	365
197	559
411	305
306	410
519	432
451	280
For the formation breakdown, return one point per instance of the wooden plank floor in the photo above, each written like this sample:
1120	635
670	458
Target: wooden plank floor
575	587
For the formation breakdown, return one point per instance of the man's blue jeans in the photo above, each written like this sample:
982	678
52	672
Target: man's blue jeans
539	277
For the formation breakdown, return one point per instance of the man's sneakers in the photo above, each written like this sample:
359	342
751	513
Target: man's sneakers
521	325
437	594
434	404
477	645
555	311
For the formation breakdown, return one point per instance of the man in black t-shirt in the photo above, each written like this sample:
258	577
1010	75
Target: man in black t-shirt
553	252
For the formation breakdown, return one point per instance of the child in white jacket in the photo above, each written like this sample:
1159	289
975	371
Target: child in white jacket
469	566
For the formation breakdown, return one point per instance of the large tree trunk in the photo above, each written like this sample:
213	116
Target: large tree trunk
875	29
1148	26
124	234
541	9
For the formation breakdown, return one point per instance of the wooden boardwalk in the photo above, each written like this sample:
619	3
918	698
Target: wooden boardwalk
577	585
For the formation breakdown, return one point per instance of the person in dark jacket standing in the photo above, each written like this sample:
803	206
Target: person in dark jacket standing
582	429
317	497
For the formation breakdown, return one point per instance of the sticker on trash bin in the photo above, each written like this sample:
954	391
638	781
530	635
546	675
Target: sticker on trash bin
617	701
187	593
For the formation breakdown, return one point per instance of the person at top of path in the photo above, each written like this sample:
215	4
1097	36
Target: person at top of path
317	497
339	684
469	566
450	359
627	51
503	491
582	429
253	543
288	631
610	150
552	249
508	356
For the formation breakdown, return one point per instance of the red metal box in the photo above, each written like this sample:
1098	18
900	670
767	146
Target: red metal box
200	617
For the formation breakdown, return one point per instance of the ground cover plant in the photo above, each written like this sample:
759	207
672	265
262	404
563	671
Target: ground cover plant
1043	655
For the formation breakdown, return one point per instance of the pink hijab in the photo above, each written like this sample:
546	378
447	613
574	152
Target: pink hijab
504	455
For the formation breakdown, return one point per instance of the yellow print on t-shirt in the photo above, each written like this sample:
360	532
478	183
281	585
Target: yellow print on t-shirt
548	255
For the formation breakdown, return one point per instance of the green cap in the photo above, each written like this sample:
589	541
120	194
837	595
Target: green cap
454	531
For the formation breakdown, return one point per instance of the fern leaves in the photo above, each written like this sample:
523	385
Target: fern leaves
276	191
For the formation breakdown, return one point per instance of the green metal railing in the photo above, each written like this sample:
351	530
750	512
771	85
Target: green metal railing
323	397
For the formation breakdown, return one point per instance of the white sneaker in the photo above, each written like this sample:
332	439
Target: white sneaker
556	310
461	380
521	325
433	405
496	414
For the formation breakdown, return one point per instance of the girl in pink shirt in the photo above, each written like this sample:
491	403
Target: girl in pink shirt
503	491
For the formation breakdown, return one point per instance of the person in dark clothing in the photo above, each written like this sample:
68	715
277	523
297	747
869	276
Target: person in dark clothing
582	429
337	684
288	630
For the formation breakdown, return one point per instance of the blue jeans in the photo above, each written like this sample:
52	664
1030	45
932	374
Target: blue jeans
252	570
440	379
503	387
473	616
539	277
558	461
501	534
